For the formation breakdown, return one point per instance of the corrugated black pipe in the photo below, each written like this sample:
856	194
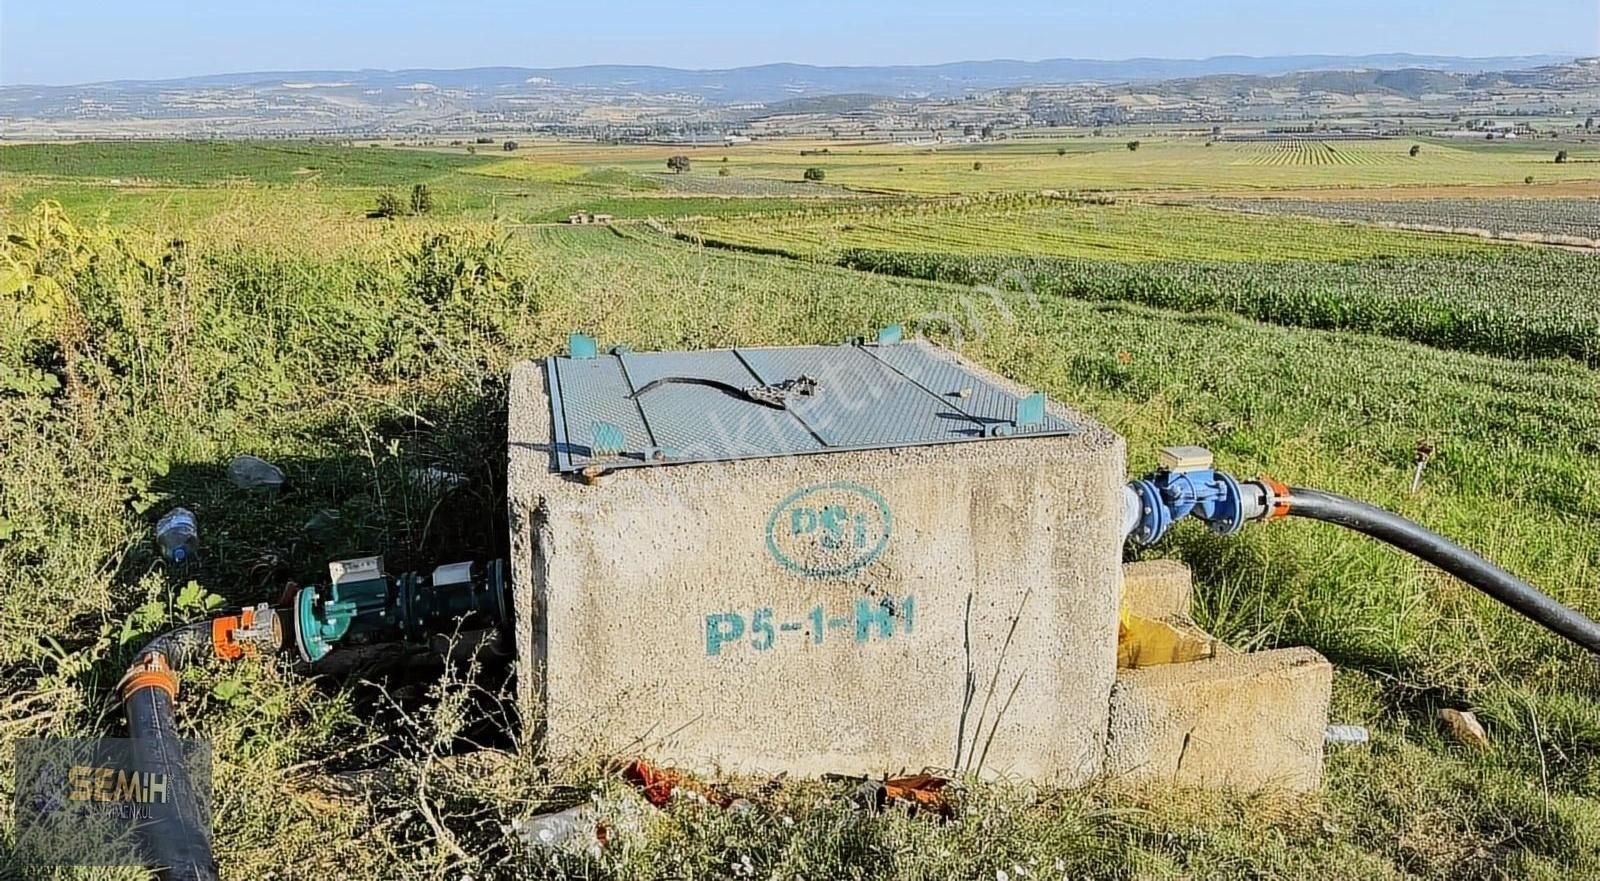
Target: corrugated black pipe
1425	544
182	846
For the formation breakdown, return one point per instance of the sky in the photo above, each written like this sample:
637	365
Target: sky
75	41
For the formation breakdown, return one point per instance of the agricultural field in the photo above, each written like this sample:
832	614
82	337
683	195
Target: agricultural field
1434	289
1576	220
175	184
1295	152
1161	162
1058	228
1512	303
213	302
219	162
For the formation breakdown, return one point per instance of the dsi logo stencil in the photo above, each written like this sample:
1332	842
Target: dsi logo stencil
829	529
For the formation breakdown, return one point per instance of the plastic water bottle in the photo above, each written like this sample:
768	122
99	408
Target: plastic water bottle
573	825
177	535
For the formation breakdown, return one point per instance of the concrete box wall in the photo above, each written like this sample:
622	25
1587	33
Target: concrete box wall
672	611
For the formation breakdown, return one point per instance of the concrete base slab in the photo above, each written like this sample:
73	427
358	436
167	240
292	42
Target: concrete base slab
1249	721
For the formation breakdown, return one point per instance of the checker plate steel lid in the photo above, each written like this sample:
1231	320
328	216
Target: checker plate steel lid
649	408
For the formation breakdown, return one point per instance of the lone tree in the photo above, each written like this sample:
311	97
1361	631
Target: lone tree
1561	156
508	146
678	164
815	174
1061	151
977	166
1415	149
1133	145
421	199
389	205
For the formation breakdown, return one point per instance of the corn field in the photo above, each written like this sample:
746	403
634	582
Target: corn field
1508	302
1576	219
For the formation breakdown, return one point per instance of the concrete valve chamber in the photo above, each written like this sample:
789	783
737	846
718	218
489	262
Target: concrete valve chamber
862	558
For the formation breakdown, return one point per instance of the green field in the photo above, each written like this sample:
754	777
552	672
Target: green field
186	184
143	347
1121	232
1442	290
213	162
1560	220
1521	304
1107	164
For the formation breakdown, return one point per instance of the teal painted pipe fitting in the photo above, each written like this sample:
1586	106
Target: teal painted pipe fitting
362	604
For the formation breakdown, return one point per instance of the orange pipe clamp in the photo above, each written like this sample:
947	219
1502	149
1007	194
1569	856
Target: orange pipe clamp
150	671
1280	498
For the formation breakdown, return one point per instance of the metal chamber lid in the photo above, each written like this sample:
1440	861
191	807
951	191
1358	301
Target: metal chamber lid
649	408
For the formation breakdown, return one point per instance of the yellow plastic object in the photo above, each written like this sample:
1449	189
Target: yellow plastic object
1149	642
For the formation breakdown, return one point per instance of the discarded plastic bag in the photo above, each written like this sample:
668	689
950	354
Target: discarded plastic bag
252	472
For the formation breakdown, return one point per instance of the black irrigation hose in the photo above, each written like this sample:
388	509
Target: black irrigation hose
181	845
1425	544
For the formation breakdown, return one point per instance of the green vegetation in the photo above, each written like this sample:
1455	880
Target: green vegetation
1516	303
421	199
1577	219
177	186
214	302
1125	232
219	162
1438	290
1104	163
670	207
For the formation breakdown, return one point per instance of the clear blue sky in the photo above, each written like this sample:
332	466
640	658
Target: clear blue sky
73	41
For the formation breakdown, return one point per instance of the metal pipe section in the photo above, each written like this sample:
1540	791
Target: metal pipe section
1425	544
1130	510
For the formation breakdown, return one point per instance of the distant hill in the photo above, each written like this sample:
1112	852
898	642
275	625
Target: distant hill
346	102
772	82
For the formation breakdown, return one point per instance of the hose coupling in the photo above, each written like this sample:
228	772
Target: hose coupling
151	670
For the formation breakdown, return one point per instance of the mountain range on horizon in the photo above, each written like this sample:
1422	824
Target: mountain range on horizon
637	100
754	82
